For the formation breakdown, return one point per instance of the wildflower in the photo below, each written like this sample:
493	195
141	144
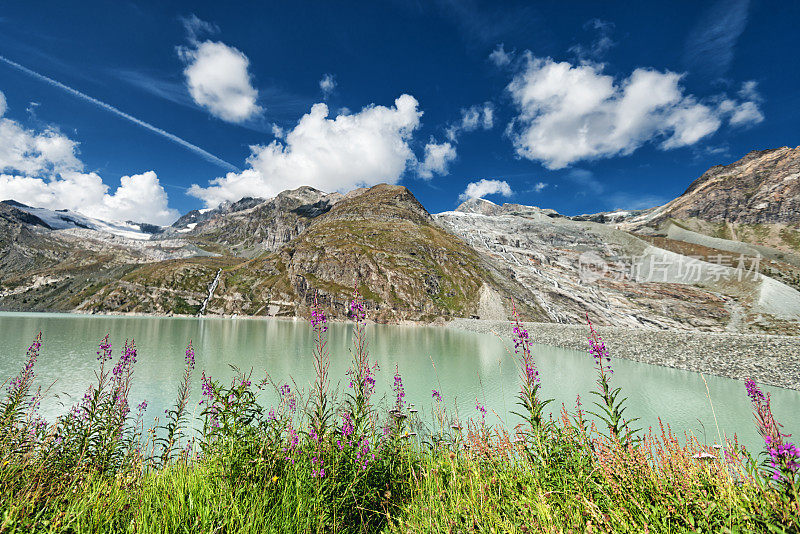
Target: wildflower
399	391
753	392
104	354
784	455
481	408
436	395
318	319
206	388
598	350
190	356
274	478
357	312
142	406
347	425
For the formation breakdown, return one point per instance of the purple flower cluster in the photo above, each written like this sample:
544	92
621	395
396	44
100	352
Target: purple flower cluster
753	392
317	469
399	390
363	454
287	397
784	457
20	384
357	312
294	439
436	395
126	361
521	338
481	408
318	319
142	406
522	344
347	425
104	354
206	388
598	350
190	356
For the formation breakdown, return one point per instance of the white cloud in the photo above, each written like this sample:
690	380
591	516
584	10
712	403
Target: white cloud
27	152
43	170
539	186
569	113
330	154
3	105
437	158
500	57
327	84
217	79
139	198
472	118
746	113
485	187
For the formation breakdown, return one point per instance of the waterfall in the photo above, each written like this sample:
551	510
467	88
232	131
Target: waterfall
211	288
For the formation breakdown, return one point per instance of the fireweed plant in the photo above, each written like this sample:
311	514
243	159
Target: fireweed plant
782	462
309	463
528	396
361	372
610	405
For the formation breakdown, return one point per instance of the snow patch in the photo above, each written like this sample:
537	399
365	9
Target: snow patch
67	220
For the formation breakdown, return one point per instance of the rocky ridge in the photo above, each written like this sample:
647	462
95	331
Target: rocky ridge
624	268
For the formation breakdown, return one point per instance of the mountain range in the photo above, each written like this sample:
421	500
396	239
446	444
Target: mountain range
724	256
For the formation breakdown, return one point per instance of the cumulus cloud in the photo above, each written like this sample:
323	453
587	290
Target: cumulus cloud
139	197
217	77
437	158
31	153
327	84
331	154
539	186
569	113
472	118
485	187
500	57
42	169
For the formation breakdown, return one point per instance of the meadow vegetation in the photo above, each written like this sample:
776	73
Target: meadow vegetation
316	462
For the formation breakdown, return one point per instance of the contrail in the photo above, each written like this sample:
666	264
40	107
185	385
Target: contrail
108	107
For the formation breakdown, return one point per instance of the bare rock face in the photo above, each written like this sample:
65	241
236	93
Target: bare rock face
762	187
251	226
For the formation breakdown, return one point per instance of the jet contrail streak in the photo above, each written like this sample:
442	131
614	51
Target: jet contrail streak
108	107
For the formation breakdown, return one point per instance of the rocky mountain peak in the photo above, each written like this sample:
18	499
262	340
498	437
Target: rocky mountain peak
480	206
382	202
761	187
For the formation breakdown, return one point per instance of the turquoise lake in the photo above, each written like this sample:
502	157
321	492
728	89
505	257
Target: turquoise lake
466	367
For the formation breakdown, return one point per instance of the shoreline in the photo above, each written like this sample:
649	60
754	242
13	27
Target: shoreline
767	359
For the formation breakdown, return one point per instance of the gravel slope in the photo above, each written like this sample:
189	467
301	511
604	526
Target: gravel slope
773	360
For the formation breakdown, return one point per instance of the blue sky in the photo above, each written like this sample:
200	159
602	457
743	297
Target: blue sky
119	109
